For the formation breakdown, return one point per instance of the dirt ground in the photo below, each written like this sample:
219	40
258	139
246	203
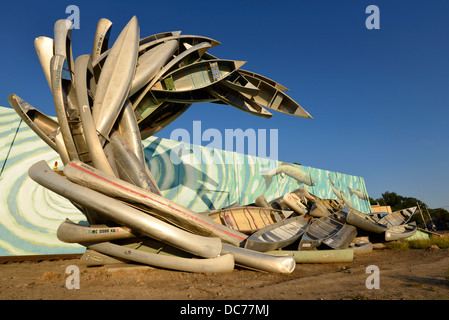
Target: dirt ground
403	275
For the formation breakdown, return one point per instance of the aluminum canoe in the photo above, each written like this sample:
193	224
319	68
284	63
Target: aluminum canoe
325	207
71	232
163	116
327	230
260	261
85	88
101	38
294	202
63	96
44	126
129	130
126	216
63	42
180	60
247	219
197	75
264	79
363	221
154	204
318	256
45	51
191	40
276	99
115	79
278	235
151	62
219	264
228	95
400	232
398	217
129	167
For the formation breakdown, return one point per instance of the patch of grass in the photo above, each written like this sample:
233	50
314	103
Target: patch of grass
441	242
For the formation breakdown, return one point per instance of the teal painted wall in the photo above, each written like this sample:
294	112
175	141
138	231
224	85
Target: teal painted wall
31	214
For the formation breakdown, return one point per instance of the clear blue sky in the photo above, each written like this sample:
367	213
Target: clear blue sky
379	98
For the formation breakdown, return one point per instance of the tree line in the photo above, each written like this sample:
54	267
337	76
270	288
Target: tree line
433	218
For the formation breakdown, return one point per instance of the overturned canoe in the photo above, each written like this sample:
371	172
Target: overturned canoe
101	38
247	219
154	204
45	51
222	263
259	260
71	232
124	215
400	232
362	221
318	256
278	235
294	202
325	207
327	230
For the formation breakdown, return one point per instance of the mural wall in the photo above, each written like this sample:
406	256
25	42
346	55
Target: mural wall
199	178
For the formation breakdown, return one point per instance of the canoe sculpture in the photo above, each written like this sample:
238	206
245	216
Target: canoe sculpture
278	235
106	103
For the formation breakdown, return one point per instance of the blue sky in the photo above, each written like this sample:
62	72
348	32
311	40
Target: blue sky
379	98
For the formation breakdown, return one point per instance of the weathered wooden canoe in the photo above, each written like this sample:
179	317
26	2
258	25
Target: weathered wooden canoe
264	79
363	221
124	215
115	79
401	231
246	219
398	217
328	231
325	207
197	75
155	204
278	235
318	256
44	126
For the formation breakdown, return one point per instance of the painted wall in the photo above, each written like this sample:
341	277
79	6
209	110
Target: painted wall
31	214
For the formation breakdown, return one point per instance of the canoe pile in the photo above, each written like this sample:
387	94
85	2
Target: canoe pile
106	103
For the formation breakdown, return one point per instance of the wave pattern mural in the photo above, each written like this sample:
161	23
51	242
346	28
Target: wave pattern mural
199	178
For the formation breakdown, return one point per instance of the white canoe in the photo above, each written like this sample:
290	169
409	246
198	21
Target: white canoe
62	44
